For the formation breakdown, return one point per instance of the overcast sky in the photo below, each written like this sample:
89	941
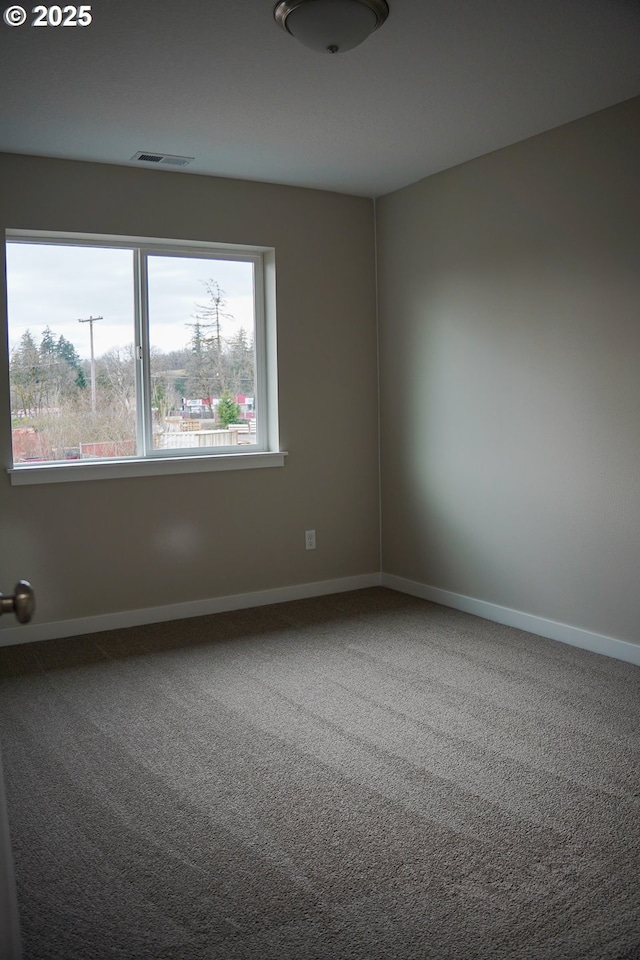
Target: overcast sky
55	286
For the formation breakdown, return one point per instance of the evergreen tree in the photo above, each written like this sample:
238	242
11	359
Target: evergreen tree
62	374
228	410
27	377
48	346
66	351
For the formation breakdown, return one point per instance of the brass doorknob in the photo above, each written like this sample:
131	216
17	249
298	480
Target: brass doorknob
22	603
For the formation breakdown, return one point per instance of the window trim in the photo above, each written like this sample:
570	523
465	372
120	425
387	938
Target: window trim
265	453
29	474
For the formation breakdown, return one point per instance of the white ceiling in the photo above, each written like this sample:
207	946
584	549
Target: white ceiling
441	82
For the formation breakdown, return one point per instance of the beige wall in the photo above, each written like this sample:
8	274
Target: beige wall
510	376
101	547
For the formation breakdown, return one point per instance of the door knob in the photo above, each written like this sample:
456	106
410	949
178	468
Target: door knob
22	603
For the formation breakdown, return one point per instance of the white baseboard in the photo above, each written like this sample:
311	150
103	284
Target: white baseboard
29	633
551	629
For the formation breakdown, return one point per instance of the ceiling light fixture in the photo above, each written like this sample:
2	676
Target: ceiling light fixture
331	26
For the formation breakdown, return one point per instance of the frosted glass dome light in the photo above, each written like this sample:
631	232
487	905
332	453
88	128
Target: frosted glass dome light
331	26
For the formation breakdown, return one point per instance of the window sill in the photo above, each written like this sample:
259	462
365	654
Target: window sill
115	469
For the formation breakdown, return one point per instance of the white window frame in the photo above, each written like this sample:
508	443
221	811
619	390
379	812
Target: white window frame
264	453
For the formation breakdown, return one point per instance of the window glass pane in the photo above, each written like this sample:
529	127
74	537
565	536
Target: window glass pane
71	335
202	363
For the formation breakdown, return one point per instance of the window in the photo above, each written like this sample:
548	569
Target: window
134	357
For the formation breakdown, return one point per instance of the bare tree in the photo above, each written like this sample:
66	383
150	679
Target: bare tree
240	364
210	349
116	378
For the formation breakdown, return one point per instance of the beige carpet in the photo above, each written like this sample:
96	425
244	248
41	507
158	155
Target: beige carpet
364	775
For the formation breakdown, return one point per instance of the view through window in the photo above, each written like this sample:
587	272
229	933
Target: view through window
120	352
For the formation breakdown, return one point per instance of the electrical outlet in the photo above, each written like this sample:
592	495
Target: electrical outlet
310	539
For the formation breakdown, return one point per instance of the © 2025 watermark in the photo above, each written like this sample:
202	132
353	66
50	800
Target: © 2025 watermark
42	16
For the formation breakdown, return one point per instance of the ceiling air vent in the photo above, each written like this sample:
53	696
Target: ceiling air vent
162	159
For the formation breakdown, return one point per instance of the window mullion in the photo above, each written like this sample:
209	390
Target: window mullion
143	378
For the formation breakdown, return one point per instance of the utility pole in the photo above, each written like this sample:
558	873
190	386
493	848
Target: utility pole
91	321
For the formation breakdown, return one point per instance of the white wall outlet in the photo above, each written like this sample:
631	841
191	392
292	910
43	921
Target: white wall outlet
310	539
